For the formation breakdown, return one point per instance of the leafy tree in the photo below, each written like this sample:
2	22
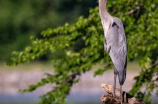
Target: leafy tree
140	22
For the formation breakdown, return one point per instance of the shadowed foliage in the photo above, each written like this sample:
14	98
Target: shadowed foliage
21	18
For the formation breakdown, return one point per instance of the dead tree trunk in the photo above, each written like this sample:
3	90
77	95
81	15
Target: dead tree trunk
109	99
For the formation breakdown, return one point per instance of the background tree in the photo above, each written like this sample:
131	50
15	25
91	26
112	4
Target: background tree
21	18
140	22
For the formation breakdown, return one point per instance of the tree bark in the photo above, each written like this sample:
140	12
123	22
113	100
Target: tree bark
109	99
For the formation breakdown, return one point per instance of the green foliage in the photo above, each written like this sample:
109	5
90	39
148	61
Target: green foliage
139	18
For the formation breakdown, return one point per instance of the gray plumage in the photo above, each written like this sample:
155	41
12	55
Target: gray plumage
115	38
115	42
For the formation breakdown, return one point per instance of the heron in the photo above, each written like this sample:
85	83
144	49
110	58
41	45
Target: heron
115	44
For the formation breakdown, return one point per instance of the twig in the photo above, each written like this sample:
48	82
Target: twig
137	8
133	10
154	65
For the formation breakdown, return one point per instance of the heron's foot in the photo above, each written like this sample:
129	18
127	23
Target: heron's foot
117	99
120	100
114	98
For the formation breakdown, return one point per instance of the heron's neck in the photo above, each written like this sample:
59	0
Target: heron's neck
102	6
103	10
106	18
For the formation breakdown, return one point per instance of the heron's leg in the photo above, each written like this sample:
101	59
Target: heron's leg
114	87
121	92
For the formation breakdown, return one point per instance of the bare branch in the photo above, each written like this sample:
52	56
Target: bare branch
137	8
109	99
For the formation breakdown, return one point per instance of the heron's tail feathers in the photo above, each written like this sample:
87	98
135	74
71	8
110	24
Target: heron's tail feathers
122	77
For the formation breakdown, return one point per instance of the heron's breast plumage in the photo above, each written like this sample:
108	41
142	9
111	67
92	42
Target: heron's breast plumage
117	40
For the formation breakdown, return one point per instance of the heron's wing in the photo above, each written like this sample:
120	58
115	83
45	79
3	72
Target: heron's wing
120	47
117	40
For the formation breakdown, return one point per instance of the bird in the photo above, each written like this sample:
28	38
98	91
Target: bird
115	44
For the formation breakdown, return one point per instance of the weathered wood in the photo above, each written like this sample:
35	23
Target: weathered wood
109	99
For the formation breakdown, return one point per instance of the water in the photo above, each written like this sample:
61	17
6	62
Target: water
87	91
32	99
19	99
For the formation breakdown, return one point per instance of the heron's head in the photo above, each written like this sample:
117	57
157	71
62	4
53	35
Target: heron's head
103	1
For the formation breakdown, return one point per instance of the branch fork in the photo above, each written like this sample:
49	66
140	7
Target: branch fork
110	99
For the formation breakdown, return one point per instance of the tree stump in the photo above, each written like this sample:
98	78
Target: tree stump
109	99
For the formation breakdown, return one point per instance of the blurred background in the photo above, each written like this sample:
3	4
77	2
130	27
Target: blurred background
19	19
22	18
